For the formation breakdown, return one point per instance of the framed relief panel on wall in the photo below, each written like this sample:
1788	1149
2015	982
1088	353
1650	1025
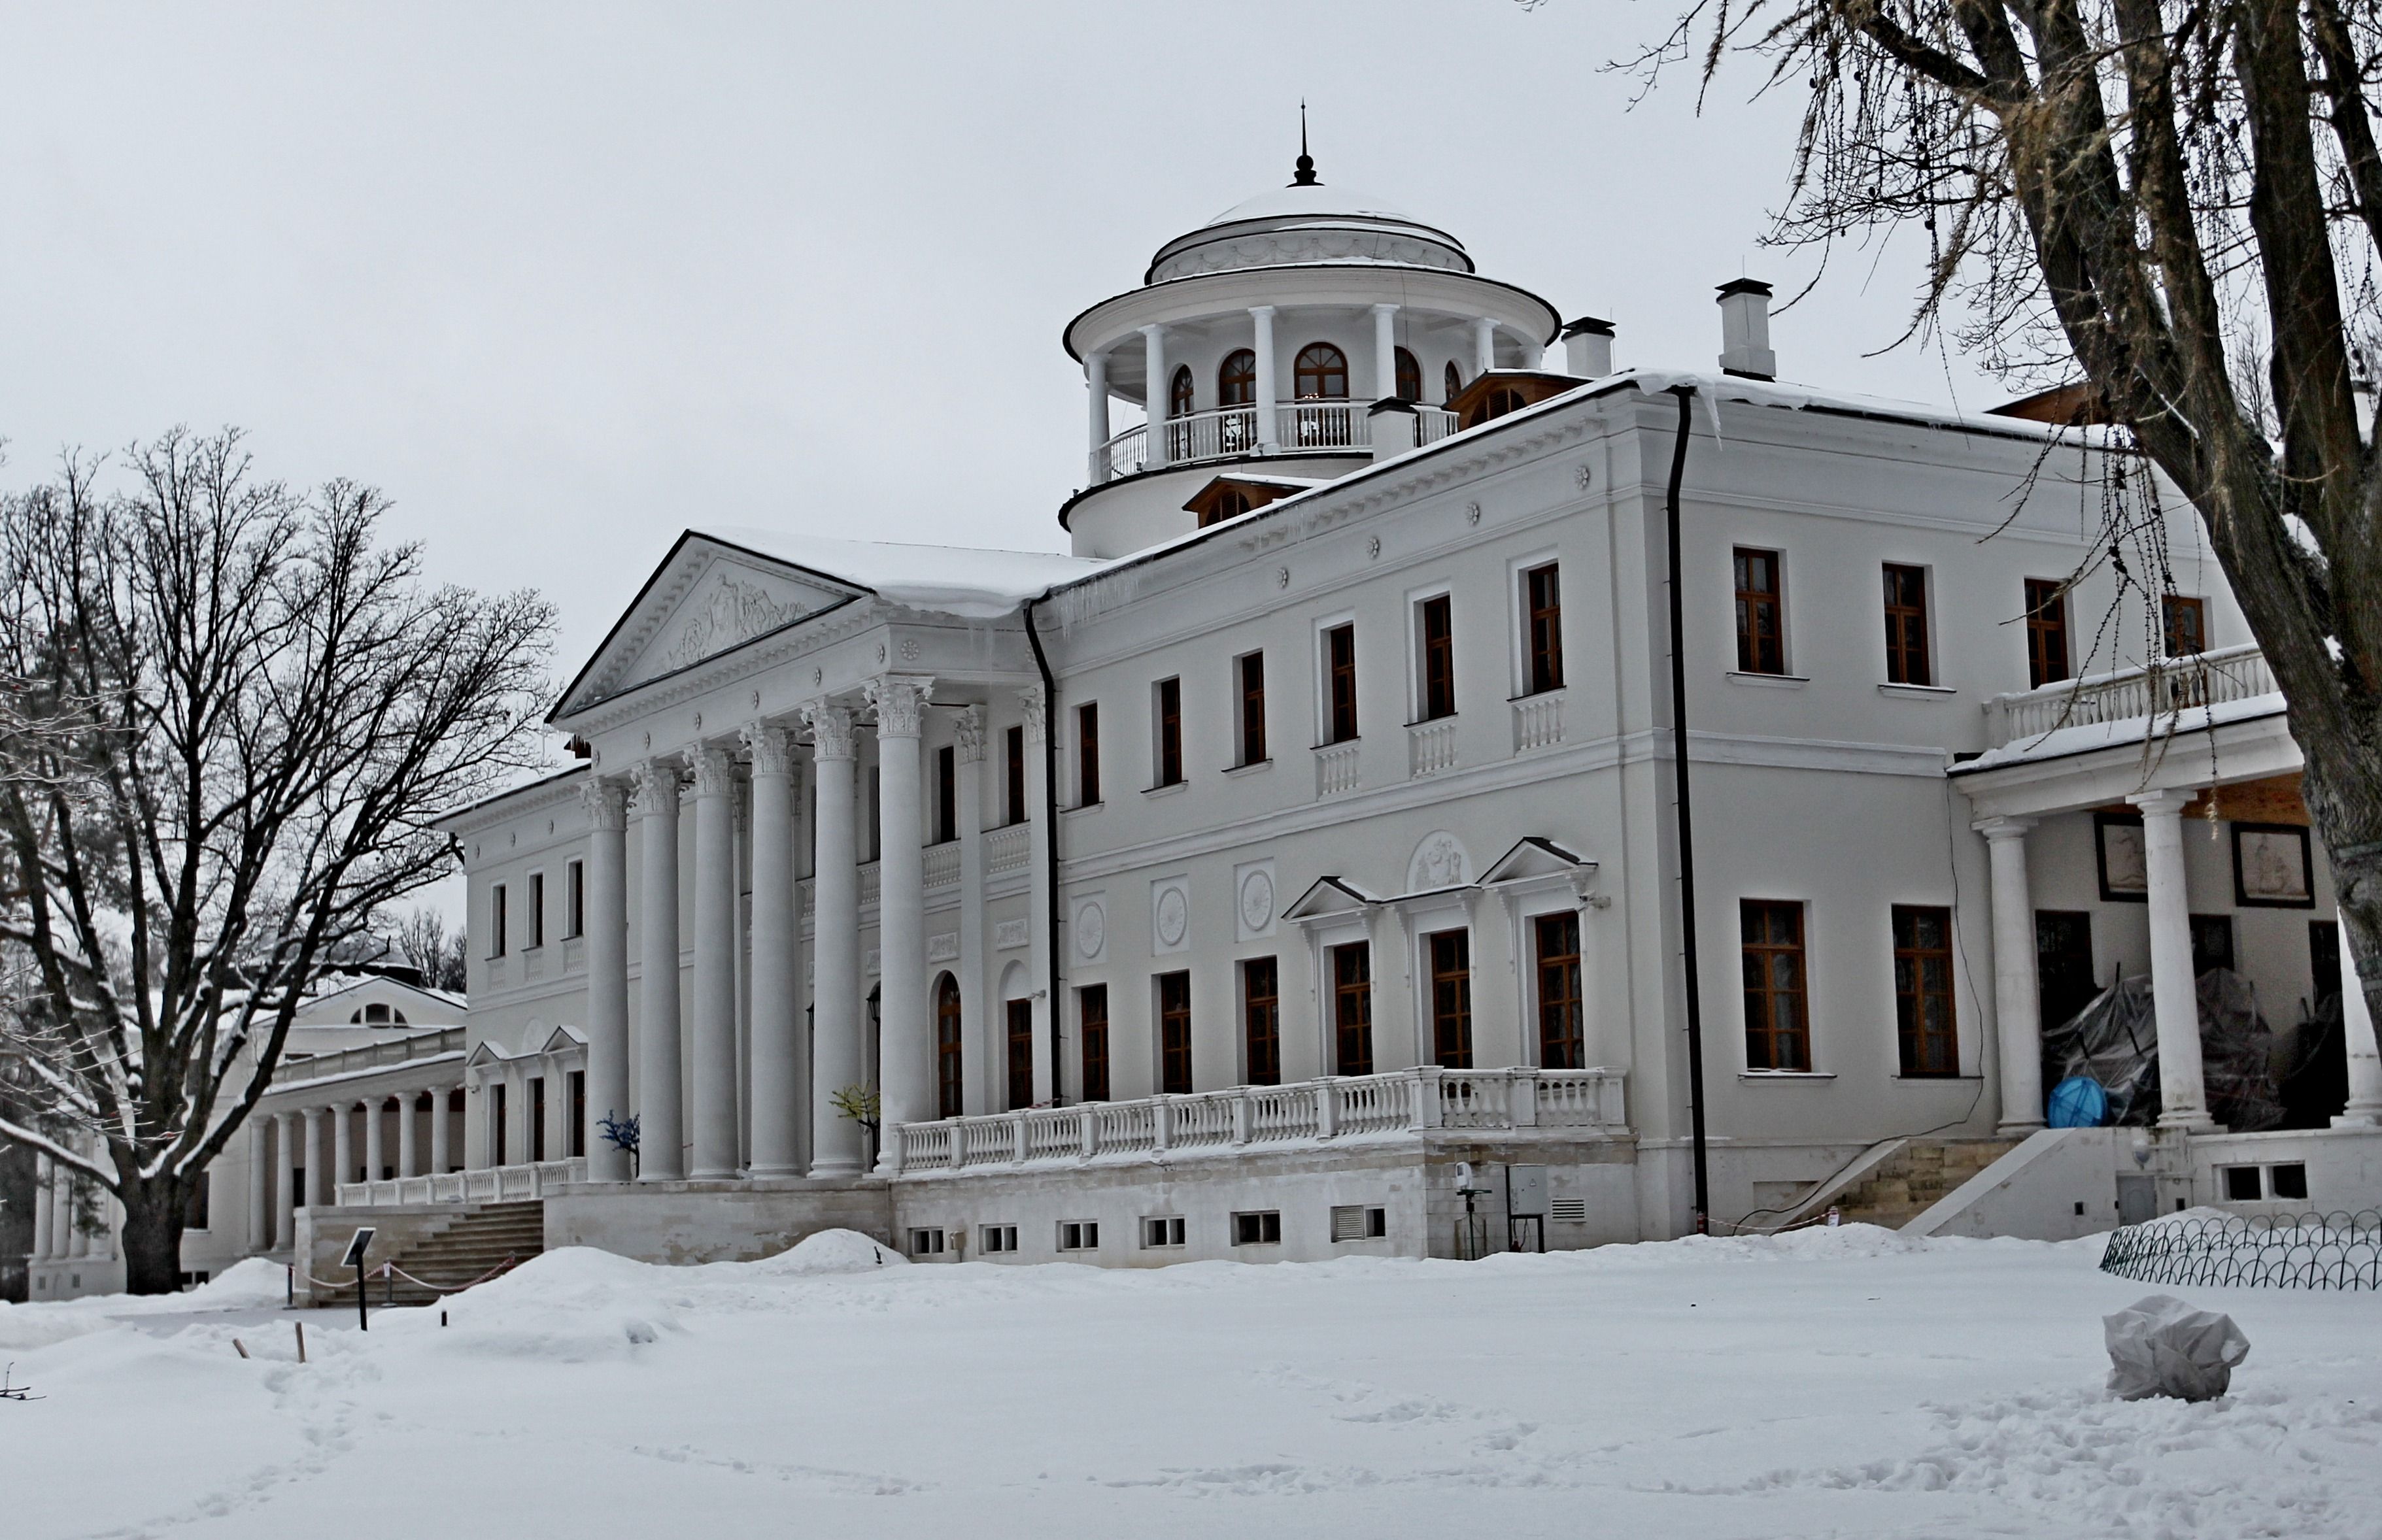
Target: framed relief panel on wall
2117	845
2270	867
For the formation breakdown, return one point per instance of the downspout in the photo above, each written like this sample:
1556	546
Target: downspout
1686	820
1051	844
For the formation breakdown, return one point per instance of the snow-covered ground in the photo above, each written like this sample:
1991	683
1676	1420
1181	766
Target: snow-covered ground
1832	1383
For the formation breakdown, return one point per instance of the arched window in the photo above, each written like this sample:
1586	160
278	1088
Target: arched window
1237	380
1496	405
1322	372
378	1016
1179	398
1450	383
948	1098
1409	377
1227	505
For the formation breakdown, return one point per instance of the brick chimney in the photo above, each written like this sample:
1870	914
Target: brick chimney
1745	330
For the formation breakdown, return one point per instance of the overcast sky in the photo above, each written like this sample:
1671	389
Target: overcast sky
567	279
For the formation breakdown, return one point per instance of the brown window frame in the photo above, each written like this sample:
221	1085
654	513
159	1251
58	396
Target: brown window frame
575	898
2047	632
1908	660
1014	788
1236	379
497	915
1261	1021
1249	667
536	1099
577	1083
947	794
1563	1008
1926	1013
1435	657
1181	395
2173	608
1451	382
1088	754
1407	370
1450	956
1352	1008
1542	628
1017	1033
1092	1027
1166	708
1760	612
951	1066
1174	1073
1228	504
1340	682
1326	366
536	910
1765	992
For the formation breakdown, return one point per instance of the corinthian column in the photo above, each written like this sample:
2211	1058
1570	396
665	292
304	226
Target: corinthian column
977	1025
715	964
1038	860
906	1042
835	947
777	1056
608	972
661	1156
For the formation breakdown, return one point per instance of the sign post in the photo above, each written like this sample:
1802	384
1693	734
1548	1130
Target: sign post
357	1245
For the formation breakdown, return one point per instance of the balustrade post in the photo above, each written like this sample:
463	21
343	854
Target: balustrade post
1426	1112
1326	1107
1161	1123
1241	1116
1091	1131
1522	1098
1017	1137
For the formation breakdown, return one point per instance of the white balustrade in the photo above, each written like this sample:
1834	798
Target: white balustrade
1322	425
1121	456
1537	721
942	863
1432	423
2160	690
1218	435
1430	747
487	1184
1231	433
871	882
1006	849
1335	769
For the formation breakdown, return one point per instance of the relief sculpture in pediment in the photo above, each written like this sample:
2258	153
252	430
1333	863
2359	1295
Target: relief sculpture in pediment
733	612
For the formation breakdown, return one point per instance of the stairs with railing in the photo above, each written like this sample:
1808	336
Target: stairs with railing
482	1241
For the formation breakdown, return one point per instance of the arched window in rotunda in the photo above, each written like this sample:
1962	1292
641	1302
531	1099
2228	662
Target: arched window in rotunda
1237	380
1179	396
1409	377
1322	372
1450	383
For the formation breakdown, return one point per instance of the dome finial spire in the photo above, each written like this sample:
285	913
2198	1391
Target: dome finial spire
1306	175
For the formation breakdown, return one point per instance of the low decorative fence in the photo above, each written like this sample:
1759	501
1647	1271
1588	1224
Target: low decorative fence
489	1184
2293	1251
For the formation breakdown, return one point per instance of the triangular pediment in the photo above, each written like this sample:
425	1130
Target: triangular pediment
706	598
1536	858
1329	897
561	1040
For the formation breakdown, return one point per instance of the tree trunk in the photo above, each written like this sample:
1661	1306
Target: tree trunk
152	1237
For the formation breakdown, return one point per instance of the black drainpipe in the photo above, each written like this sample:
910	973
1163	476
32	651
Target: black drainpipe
1050	813
1686	820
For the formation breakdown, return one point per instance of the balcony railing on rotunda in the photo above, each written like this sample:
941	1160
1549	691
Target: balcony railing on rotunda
1231	433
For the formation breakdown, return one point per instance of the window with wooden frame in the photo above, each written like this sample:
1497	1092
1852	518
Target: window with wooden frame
1179	394
949	1089
1321	372
537	910
2186	625
1020	1025
1761	612
1543	630
1409	376
1340	683
1227	504
578	1086
1092	1030
947	794
498	1153
1451	998
1777	1026
1014	778
1174	1033
1166	711
1352	1009
1925	1030
1236	379
1435	661
1563	1041
1250	667
497	937
1261	1021
575	898
1906	626
1451	382
1088	754
2047	632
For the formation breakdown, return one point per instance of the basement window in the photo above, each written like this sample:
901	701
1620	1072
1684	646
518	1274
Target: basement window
1258	1230
2288	1181
996	1237
1080	1234
1355	1222
925	1242
1161	1231
2243	1184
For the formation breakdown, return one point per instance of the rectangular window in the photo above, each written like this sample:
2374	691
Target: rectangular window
1092	1022
1451	998
1352	1008
1760	614
1562	1035
2187	625
1435	634
2063	963
1925	1032
1777	1029
925	1242
2047	632
1166	711
992	1240
1088	754
1258	1230
1355	1222
1161	1231
500	1154
1543	630
2289	1181
2212	942
1261	1021
1014	741
1906	626
947	794
1174	1033
875	834
1340	683
1021	1053
2324	959
497	921
1252	709
578	1113
1080	1234
2243	1184
537	1118
537	910
575	898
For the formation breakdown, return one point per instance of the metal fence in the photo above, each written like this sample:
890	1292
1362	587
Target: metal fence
2290	1251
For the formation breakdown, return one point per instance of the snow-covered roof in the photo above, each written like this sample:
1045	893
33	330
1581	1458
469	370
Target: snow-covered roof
2132	732
951	579
1316	200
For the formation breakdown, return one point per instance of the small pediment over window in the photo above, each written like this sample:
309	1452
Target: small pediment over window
1328	897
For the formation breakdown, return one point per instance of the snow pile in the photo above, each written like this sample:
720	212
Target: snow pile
830	1250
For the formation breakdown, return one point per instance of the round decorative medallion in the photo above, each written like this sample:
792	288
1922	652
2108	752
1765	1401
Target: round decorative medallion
1173	917
756	700
1472	513
1281	577
1586	476
910	649
818	677
698	721
649	742
1256	900
880	652
1091	929
1373	546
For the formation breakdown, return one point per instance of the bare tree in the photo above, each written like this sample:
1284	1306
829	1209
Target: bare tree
434	949
2182	199
226	718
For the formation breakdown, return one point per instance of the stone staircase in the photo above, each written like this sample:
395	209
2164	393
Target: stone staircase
1916	1176
482	1238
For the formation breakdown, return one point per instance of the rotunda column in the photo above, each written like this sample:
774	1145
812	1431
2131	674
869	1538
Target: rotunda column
1269	407
45	1211
1385	353
343	1149
1154	353
1484	345
1095	391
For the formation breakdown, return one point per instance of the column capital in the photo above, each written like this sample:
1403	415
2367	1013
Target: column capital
772	747
2163	802
657	782
830	729
607	802
1154	330
715	770
1037	705
1262	310
901	702
969	726
1385	309
2004	827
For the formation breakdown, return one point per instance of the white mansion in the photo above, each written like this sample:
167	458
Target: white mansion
1306	861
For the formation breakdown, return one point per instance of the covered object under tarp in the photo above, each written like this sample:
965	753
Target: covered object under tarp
2114	1042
